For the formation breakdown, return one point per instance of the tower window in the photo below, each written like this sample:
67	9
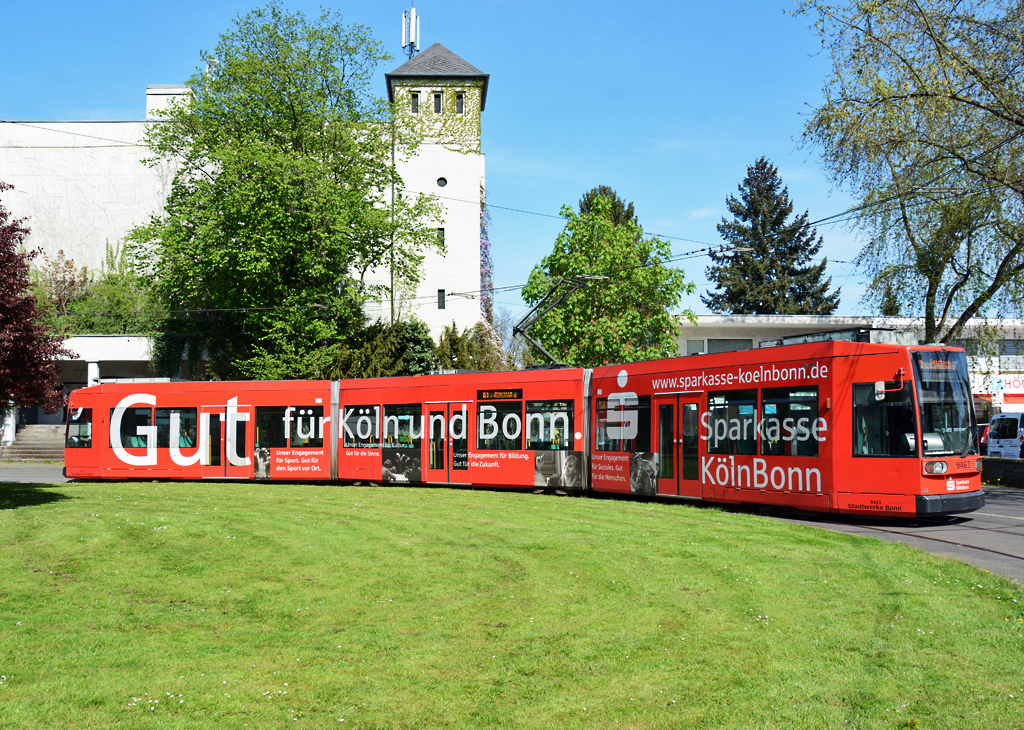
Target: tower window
459	103
414	105
437	102
440	236
440	298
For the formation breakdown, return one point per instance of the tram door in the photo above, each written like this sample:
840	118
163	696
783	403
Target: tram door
222	442
448	432
678	429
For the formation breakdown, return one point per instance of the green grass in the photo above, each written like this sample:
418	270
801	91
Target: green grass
241	605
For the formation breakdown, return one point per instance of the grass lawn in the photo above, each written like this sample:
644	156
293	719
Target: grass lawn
263	606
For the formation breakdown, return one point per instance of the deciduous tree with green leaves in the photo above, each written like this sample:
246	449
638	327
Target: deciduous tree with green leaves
624	318
773	272
923	119
117	302
282	199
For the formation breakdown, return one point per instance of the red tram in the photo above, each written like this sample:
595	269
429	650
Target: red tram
830	426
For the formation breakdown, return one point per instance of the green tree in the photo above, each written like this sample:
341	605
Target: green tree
621	212
929	257
417	349
58	284
281	202
120	301
923	119
626	317
117	302
775	276
454	349
475	348
890	304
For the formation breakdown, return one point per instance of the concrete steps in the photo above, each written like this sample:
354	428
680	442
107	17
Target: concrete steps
36	443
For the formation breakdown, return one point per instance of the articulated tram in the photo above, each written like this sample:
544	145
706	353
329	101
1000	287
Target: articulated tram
830	426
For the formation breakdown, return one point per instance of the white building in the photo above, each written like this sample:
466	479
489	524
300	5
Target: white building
445	96
82	185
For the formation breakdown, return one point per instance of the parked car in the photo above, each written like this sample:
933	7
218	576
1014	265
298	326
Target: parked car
983	439
1006	435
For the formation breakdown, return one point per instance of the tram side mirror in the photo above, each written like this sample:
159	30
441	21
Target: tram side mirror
880	390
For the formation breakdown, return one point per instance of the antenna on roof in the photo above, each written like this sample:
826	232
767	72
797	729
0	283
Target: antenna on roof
410	32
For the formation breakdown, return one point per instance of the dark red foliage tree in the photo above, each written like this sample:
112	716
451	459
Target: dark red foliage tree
28	371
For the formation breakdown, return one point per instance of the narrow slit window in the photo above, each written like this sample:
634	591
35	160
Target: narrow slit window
437	102
460	103
414	102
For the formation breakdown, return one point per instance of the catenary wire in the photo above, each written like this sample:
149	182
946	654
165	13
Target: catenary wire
835	218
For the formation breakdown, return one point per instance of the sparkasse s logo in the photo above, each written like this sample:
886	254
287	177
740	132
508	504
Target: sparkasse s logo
622	410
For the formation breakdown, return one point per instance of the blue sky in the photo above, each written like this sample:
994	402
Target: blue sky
668	103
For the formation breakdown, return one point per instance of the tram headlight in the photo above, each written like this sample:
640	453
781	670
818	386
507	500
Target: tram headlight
935	467
977	465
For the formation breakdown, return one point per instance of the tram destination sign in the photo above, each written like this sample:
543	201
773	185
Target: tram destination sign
507	394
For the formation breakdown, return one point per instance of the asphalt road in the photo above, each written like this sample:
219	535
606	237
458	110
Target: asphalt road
991	538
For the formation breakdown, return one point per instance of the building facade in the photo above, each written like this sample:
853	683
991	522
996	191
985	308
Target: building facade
83	185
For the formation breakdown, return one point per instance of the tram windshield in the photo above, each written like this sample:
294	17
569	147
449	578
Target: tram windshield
946	404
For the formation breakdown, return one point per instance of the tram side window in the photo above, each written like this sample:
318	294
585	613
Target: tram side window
731	426
549	425
886	427
79	434
403	426
295	427
131	420
499	426
624	423
187	428
361	427
789	421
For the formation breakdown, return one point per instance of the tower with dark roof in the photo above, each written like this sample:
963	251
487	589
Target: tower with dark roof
443	96
444	91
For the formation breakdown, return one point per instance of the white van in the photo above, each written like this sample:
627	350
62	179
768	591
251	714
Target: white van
1006	435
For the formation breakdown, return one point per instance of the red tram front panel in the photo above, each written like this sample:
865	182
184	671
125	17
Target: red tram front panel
908	431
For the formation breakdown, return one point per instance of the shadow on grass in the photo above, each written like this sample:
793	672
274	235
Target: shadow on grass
13	496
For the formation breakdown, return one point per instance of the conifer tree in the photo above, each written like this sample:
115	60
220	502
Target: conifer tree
621	213
890	306
776	275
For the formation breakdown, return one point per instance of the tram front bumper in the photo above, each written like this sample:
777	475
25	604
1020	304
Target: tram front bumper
945	504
